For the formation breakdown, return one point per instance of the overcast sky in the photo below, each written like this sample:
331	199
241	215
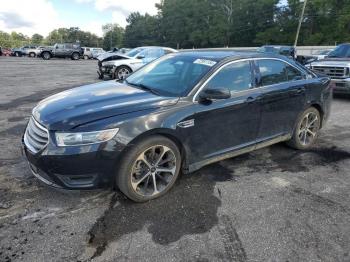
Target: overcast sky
42	16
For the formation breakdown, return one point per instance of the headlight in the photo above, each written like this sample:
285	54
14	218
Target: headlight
84	138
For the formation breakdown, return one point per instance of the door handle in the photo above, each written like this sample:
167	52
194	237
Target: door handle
300	90
250	99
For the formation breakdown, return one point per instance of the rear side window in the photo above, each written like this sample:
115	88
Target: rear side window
275	71
272	72
236	77
294	74
168	51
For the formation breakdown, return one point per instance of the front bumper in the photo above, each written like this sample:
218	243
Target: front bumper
79	167
105	70
341	86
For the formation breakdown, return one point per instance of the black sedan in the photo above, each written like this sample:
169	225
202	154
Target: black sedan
177	114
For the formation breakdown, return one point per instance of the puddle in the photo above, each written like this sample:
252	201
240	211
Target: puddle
189	208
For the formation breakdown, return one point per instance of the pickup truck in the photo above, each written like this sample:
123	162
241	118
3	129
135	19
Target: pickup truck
337	66
67	50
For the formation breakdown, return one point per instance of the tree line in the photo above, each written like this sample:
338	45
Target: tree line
212	23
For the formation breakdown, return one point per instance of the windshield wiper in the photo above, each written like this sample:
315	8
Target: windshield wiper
143	87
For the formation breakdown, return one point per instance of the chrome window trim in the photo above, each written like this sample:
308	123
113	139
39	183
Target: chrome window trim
242	60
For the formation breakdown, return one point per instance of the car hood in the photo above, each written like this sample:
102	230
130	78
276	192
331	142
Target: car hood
340	62
81	105
111	56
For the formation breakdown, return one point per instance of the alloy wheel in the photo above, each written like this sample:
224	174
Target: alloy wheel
308	128
153	170
123	73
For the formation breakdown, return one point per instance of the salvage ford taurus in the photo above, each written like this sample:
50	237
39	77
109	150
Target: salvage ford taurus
177	114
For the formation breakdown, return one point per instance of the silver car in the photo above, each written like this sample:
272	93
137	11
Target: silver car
119	66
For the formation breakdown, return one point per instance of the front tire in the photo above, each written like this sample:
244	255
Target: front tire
86	57
122	72
149	169
306	130
75	56
46	55
32	54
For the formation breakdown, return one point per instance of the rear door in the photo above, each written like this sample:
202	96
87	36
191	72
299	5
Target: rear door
59	50
223	126
282	97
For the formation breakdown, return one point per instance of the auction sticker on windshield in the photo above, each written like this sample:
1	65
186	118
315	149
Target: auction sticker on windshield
204	62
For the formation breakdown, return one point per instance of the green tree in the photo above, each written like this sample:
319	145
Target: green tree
37	39
113	36
142	30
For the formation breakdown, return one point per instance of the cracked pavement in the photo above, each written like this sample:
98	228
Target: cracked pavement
274	204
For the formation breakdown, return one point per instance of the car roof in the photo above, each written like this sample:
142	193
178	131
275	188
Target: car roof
219	55
150	47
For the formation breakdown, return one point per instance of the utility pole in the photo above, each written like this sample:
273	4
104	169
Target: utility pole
299	25
111	33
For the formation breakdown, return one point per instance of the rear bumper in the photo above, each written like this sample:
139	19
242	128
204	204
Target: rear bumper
341	86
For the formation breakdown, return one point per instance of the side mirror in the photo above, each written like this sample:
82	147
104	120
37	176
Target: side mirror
215	93
140	57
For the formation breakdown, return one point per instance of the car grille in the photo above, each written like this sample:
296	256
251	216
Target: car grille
335	72
36	136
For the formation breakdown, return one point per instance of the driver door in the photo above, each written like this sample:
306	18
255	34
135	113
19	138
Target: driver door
225	125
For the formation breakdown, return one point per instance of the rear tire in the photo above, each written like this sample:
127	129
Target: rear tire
31	54
306	129
149	169
17	54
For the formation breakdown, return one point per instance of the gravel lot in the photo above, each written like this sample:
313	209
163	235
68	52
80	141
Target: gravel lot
275	204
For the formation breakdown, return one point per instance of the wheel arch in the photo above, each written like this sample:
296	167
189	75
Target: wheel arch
46	51
116	68
320	110
124	65
168	133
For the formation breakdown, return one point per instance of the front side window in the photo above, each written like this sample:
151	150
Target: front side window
236	77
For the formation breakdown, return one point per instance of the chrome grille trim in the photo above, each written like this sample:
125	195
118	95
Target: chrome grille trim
332	71
36	137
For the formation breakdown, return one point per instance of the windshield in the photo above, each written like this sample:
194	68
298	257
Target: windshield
322	52
340	51
134	52
172	75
